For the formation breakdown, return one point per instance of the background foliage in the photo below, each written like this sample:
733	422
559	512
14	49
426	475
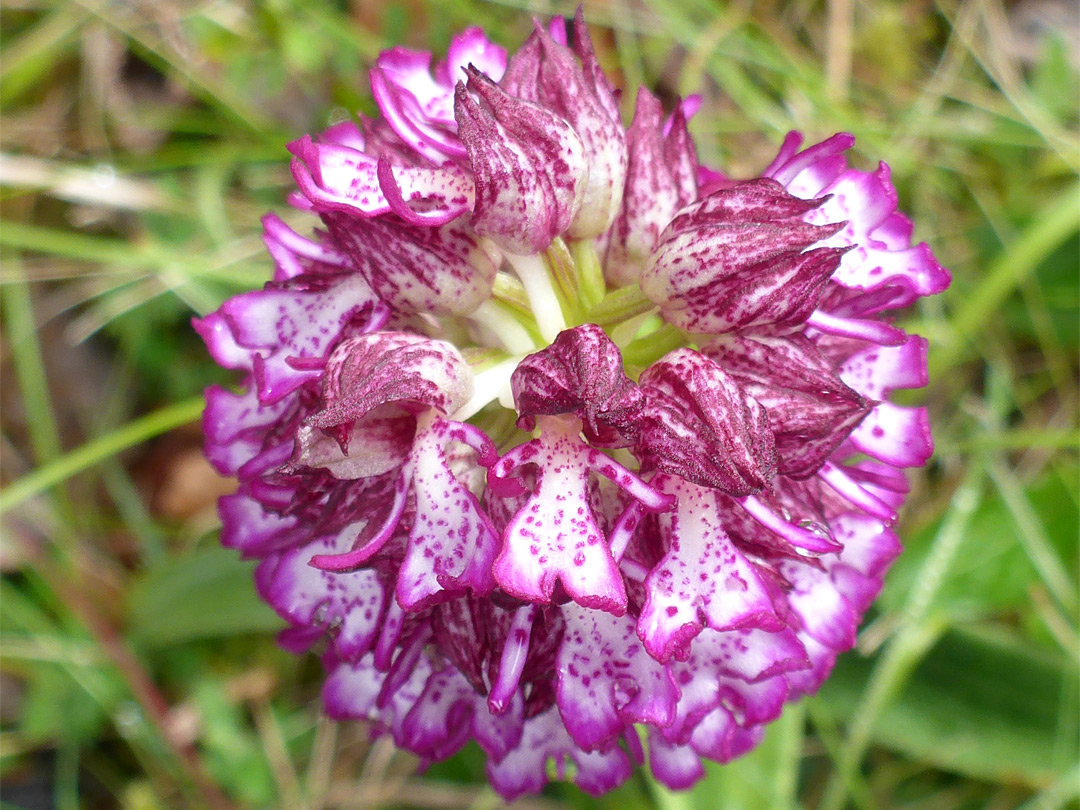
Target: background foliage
141	142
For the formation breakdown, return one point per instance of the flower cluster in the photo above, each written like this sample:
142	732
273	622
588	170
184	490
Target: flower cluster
555	439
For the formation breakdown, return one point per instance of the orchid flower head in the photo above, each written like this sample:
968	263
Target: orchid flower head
549	435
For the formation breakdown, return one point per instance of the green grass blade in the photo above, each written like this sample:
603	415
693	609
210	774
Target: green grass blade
89	454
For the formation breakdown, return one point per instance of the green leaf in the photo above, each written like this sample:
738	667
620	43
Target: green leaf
985	706
205	594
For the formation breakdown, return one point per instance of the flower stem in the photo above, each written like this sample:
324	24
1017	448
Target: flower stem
619	305
507	329
591	286
490	384
536	278
647	349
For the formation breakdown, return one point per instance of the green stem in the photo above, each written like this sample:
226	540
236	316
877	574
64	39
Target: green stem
620	305
592	287
646	350
544	301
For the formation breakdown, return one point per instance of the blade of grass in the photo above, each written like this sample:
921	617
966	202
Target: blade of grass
219	94
916	634
1047	231
30	371
89	454
82	184
144	690
1058	795
1031	439
37	51
1033	535
829	736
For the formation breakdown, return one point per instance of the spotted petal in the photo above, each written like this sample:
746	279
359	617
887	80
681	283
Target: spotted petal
702	580
524	769
738	259
451	543
882	255
335	177
894	434
606	679
660	179
554	537
350	605
547	72
283	334
437	270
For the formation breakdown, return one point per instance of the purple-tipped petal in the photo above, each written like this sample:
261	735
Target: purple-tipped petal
253	530
235	425
808	681
372	370
528	163
896	435
738	259
470	47
803	534
335	177
822	610
852	490
811	411
284	335
878	371
739	669
352	691
581	373
869	547
414	105
440	721
418	102
606	679
449	712
512	660
437	270
425	197
882	255
524	769
866	201
677	767
719	738
294	255
872	331
700	424
661	178
347	605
